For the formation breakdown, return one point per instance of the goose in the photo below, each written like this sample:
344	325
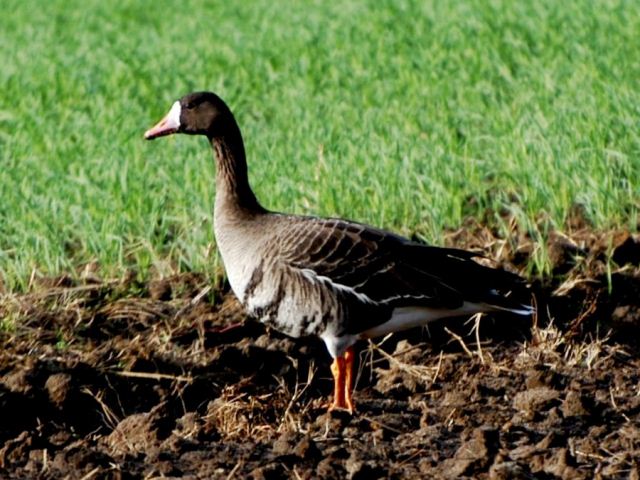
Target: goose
337	279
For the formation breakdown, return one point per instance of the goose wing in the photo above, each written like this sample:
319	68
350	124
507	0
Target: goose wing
384	268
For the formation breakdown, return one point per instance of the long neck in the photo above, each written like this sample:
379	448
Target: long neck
233	192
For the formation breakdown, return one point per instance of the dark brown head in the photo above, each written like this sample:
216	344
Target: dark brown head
198	113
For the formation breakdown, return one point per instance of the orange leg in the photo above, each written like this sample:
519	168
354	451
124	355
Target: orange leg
342	370
337	369
349	357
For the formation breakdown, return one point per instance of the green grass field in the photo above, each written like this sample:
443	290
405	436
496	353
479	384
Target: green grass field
394	113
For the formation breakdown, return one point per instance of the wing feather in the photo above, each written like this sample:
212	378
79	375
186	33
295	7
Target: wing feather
389	269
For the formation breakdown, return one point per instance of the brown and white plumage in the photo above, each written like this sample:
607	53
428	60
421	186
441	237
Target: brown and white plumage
333	278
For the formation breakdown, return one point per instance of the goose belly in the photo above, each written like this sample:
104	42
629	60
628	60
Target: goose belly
291	304
284	298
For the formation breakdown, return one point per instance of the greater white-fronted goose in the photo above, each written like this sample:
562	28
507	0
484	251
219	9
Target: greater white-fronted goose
337	279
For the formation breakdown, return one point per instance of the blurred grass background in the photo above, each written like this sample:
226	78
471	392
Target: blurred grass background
410	115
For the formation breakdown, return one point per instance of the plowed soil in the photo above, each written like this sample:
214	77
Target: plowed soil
168	379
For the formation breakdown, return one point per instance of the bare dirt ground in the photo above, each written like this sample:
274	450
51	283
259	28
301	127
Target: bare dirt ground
169	380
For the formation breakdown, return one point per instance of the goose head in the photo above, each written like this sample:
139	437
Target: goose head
197	113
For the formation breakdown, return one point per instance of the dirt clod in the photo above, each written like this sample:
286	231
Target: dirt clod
574	405
476	453
627	251
535	400
57	386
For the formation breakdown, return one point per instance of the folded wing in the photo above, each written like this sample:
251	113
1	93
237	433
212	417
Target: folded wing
388	269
